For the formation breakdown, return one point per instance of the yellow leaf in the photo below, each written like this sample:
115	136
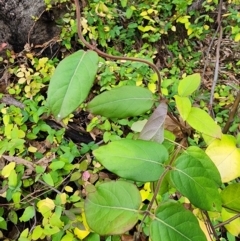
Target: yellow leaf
63	197
206	27
234	226
20	74
173	28
152	87
144	13
68	189
81	234
32	149
226	157
237	37
146	191
183	19
7	169
45	207
22	80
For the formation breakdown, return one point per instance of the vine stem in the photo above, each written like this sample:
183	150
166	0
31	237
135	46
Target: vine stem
109	56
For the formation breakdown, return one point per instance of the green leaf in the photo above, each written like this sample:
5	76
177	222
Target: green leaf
154	128
13	217
183	105
48	179
202	122
57	165
37	232
174	222
136	160
112	208
92	237
197	178
230	197
3	224
71	82
13	179
28	213
189	84
122	102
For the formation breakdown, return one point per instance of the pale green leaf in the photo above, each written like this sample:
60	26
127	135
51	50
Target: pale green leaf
226	157
113	207
136	160
28	213
7	169
71	82
230	196
37	232
189	84
48	179
183	105
197	178
174	222
13	179
202	122
122	102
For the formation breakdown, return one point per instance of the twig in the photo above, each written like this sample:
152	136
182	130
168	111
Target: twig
211	225
109	56
217	58
232	113
227	221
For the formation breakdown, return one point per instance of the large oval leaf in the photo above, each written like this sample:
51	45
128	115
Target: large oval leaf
154	128
71	82
174	222
136	160
202	122
197	178
226	157
122	102
112	208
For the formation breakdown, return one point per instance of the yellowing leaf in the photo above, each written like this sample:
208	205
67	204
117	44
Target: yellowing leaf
237	37
173	28
152	87
81	234
183	105
183	19
202	122
63	197
45	207
226	157
68	189
7	169
234	226
189	30
32	149
146	28
144	13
